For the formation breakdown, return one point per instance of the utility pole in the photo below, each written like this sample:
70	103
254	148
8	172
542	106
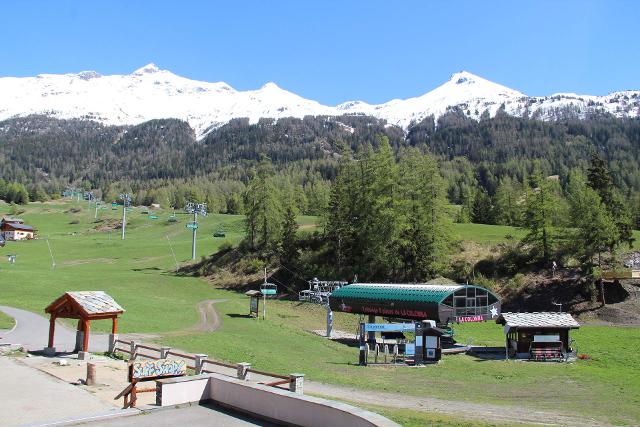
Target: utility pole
264	298
195	209
126	201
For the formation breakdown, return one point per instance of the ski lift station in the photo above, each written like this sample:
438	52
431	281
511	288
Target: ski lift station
443	304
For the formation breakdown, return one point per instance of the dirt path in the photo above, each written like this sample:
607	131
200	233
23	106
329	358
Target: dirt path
461	409
209	319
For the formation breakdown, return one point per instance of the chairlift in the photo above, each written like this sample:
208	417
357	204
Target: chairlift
219	233
268	289
173	218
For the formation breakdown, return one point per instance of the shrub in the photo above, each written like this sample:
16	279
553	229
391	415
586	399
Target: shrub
225	246
250	265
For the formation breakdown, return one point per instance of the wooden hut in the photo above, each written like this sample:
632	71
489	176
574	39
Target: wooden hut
538	336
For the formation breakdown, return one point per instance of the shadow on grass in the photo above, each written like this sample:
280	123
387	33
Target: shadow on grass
242	316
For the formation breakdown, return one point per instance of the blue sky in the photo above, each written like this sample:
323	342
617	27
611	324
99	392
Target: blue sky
334	51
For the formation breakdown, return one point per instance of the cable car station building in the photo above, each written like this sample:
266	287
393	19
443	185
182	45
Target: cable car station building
441	303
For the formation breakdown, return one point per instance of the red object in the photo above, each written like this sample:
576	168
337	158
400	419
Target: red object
465	319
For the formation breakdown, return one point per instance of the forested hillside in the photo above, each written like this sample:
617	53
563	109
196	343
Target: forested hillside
161	160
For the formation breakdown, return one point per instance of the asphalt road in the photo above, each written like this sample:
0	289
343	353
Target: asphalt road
32	332
193	415
29	396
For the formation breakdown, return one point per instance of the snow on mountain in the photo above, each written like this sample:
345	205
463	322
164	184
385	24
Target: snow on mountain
151	93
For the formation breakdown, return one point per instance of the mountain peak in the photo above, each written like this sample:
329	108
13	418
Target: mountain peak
147	69
463	77
270	86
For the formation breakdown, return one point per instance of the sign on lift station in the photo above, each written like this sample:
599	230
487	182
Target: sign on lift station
192	225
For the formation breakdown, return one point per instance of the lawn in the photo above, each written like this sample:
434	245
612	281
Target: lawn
6	322
139	273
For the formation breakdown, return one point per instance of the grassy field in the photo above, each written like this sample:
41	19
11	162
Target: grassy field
139	273
6	322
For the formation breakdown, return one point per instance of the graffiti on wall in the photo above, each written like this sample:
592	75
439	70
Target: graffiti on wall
147	369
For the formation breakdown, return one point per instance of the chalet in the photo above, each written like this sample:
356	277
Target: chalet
538	336
15	229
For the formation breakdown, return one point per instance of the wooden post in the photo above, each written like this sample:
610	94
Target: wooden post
134	395
85	344
91	374
52	329
114	326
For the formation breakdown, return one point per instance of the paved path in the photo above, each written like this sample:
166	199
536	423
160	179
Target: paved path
32	332
192	415
28	396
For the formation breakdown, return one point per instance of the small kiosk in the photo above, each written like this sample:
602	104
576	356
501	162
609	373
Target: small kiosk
254	302
542	336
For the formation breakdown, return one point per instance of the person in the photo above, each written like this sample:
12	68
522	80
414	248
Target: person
553	269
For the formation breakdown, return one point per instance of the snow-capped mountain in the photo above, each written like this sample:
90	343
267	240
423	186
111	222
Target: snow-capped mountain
151	93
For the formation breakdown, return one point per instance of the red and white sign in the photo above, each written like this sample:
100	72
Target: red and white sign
465	319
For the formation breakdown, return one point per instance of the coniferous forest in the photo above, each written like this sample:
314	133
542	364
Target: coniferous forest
386	197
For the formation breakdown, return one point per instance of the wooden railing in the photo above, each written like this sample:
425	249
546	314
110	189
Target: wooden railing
198	362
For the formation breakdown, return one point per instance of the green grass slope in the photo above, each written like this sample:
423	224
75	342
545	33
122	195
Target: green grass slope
139	273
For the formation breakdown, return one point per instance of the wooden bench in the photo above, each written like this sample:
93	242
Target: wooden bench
543	351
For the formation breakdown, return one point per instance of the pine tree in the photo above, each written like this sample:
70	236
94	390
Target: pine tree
263	212
289	241
593	229
423	219
482	209
600	180
339	225
539	213
507	209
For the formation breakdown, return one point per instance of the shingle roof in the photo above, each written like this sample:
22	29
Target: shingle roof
537	320
397	292
17	226
95	302
9	219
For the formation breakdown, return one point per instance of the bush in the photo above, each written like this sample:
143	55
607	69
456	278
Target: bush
75	221
516	281
485	282
250	265
225	246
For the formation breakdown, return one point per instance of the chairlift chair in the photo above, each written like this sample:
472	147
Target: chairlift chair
269	289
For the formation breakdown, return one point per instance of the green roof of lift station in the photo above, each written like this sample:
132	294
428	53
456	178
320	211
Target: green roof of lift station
397	292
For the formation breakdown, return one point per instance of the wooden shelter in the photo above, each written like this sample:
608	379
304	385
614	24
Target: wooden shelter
538	335
84	306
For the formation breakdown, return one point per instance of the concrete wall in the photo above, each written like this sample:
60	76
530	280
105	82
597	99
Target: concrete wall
265	402
174	391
